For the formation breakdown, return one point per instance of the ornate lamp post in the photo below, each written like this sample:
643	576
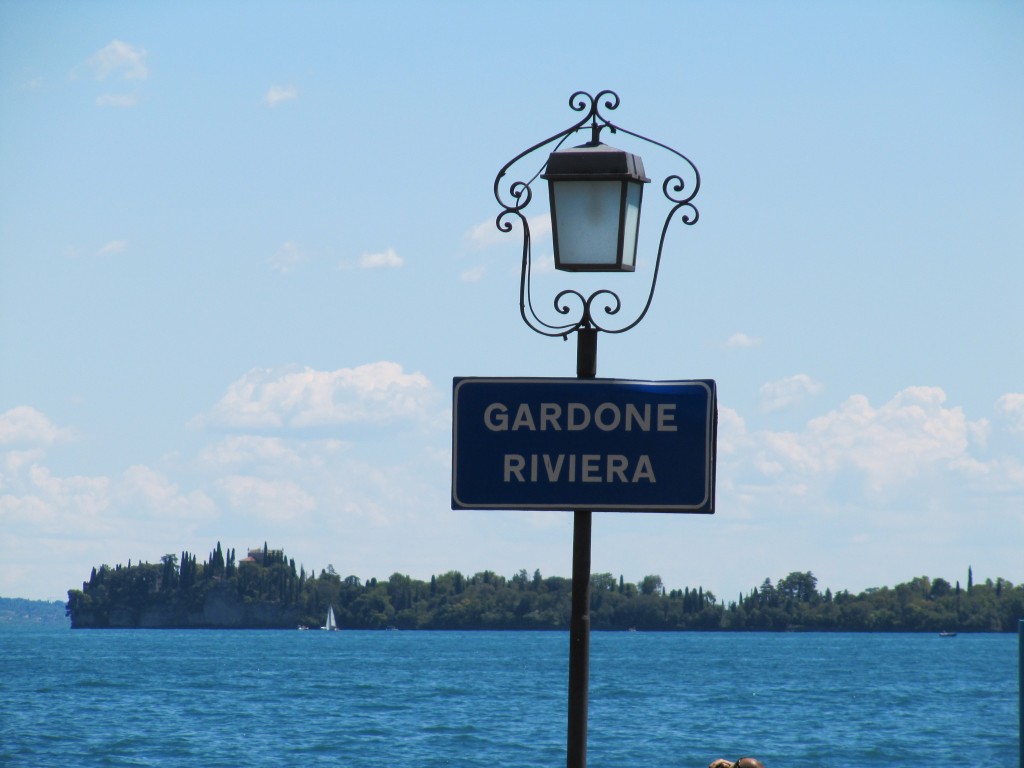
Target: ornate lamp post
595	193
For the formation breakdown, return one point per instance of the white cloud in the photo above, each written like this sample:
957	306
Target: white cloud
912	435
274	453
473	275
83	505
117	100
540	226
25	426
119	58
787	392
32	82
732	432
243	449
979	432
122	62
37	498
1011	407
278	94
487	235
277	500
75	494
28	510
288	258
386	258
741	341
12	463
143	489
374	393
542	263
114	246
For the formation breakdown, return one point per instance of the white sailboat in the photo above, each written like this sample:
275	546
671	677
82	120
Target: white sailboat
331	623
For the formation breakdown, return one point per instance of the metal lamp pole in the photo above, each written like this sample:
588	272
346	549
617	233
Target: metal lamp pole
591	177
579	621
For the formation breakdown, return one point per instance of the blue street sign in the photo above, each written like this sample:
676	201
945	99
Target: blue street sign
590	444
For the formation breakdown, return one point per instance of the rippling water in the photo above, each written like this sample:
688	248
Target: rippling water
425	699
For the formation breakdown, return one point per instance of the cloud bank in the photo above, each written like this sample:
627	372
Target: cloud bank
851	474
914	435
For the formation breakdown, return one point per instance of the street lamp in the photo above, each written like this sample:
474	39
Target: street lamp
595	193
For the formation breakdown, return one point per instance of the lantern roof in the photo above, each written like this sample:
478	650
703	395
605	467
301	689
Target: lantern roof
596	161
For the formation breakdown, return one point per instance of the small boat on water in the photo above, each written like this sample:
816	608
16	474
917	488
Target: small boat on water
947	634
331	624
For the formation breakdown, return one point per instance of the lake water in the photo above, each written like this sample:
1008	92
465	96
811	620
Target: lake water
426	699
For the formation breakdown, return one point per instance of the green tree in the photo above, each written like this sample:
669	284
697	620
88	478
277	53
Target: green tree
651	585
940	588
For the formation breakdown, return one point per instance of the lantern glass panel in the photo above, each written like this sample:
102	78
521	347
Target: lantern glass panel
631	225
587	217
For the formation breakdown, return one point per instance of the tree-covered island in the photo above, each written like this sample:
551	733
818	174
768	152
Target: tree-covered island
265	590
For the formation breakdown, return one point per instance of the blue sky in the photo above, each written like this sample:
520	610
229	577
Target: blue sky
244	249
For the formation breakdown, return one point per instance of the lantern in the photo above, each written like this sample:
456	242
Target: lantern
595	192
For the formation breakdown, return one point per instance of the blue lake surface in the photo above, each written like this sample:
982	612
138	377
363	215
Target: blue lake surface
425	699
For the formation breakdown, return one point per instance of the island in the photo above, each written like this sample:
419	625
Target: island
265	590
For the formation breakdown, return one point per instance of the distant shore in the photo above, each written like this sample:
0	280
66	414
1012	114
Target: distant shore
18	611
25	613
267	590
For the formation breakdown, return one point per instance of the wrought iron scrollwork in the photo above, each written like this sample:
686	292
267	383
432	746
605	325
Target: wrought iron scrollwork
678	188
